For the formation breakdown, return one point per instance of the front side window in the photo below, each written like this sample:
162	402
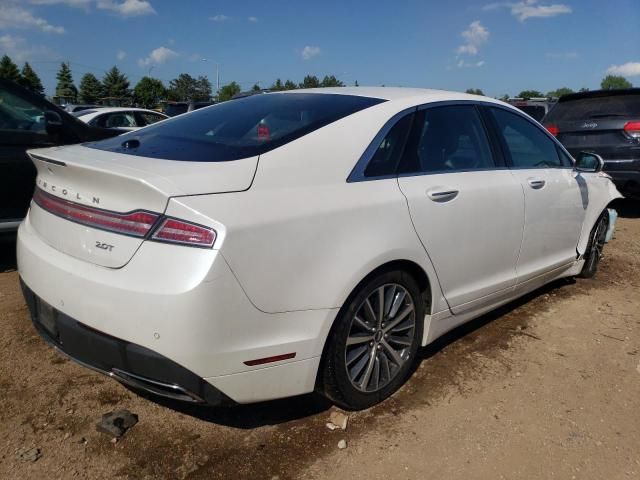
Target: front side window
447	139
240	128
526	144
18	114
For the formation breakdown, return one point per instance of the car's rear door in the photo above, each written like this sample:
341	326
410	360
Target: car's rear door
556	198
467	208
22	127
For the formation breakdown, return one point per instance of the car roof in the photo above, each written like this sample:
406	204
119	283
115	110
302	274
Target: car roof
102	110
599	94
418	95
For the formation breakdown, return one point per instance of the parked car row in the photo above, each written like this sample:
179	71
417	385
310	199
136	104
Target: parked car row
288	242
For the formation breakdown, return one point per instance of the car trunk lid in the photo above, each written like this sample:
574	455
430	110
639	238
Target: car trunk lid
116	184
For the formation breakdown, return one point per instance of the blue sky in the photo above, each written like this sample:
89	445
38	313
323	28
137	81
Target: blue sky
500	47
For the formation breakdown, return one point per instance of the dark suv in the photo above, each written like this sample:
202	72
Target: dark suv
606	122
28	120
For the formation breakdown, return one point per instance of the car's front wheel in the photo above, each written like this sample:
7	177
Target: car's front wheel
374	343
593	253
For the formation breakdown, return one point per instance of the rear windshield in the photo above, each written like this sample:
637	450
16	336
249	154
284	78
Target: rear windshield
238	128
535	111
175	109
596	107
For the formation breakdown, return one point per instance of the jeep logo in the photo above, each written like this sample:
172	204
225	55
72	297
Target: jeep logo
589	125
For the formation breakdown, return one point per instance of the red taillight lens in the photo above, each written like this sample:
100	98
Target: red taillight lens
632	129
553	129
184	233
136	224
263	132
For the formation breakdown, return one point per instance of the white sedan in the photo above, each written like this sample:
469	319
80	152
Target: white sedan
310	240
122	118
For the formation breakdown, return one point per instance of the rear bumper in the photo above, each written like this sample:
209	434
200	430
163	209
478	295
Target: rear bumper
124	361
181	305
626	179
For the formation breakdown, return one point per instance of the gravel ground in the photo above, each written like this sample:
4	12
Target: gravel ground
546	387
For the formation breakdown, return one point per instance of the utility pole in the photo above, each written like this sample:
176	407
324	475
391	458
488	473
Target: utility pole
217	74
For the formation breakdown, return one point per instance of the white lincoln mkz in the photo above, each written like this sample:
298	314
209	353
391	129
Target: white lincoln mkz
283	243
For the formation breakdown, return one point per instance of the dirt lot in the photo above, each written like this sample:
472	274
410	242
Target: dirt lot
548	387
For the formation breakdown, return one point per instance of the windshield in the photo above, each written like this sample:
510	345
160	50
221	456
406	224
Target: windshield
238	128
596	107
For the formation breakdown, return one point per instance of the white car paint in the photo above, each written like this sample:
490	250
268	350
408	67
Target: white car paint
90	116
294	240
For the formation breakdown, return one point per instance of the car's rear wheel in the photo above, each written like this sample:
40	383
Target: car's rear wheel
373	345
593	253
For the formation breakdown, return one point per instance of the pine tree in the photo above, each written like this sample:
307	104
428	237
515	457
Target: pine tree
29	79
115	84
9	70
65	87
90	88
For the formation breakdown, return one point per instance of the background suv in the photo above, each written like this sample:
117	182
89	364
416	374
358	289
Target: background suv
606	122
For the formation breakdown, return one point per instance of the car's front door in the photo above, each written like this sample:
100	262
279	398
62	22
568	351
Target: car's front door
466	207
22	126
555	197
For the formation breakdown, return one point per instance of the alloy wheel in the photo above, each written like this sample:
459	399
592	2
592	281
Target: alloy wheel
380	338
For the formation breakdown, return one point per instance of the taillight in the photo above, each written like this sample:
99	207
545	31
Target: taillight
138	223
632	129
135	224
263	131
553	129
184	233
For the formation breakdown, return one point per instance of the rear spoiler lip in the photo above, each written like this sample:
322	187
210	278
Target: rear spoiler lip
47	160
598	94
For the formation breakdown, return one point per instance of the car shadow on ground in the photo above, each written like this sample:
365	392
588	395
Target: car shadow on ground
7	252
289	409
627	208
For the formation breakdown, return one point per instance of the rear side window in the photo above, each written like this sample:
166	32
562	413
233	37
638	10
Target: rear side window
447	139
595	107
239	128
526	144
387	156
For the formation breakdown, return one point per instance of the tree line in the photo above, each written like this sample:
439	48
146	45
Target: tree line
149	91
610	82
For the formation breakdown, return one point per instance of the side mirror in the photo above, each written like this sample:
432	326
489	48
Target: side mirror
53	122
589	162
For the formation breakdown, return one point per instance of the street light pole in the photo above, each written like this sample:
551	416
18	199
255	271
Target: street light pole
217	74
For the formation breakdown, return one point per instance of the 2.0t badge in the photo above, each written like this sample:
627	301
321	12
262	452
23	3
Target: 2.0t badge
104	246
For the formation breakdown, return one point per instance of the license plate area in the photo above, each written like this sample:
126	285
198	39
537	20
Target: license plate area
46	317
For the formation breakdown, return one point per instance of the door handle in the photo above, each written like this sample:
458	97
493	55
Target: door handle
536	183
443	195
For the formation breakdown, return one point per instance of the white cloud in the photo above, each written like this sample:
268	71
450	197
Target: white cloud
309	52
69	3
127	8
562	55
219	18
629	69
531	9
253	19
464	64
475	36
121	54
17	17
157	57
20	51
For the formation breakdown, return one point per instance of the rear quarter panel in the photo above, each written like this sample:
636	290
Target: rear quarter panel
302	237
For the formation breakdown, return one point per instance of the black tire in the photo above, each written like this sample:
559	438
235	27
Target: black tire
593	254
335	377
